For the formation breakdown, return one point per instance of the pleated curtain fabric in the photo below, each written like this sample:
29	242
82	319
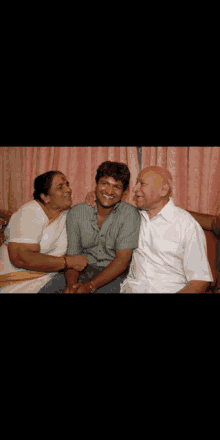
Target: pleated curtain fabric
195	171
20	165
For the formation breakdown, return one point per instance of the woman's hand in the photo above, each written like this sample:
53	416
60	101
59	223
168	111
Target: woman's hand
77	262
91	198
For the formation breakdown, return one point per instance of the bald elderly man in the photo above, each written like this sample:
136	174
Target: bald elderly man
171	256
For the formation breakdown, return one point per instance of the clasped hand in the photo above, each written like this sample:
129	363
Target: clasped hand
78	288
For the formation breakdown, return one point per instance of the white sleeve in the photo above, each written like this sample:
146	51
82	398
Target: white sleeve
26	226
196	265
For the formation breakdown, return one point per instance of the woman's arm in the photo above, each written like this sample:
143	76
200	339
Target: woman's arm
28	256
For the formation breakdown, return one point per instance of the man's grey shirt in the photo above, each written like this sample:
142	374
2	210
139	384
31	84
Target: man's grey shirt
119	231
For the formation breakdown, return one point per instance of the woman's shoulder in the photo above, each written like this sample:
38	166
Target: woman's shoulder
31	211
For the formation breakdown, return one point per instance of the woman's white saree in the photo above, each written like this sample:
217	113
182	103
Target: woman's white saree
31	225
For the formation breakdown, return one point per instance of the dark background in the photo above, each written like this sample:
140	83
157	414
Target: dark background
15	347
52	352
7	340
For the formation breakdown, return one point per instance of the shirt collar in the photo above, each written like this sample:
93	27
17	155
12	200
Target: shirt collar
114	209
167	211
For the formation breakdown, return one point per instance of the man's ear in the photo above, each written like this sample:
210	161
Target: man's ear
165	189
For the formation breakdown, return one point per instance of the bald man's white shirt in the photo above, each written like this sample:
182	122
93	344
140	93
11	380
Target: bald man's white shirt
172	251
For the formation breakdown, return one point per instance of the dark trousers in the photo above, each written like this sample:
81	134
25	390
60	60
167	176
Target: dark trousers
58	282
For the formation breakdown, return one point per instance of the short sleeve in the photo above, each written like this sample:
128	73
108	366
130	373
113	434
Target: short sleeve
26	226
128	235
196	265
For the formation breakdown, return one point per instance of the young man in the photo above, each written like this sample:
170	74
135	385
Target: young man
171	256
106	234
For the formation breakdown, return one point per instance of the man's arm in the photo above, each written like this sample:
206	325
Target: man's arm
73	248
71	276
195	263
112	271
195	286
127	240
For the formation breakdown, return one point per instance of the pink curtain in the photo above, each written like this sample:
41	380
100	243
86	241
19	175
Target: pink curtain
196	175
20	165
195	171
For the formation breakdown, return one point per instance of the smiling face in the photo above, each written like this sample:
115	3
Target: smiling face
109	192
59	196
150	190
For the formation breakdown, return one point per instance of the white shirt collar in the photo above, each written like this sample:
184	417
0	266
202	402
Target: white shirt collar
167	211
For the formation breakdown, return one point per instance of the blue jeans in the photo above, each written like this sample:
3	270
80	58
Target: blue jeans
58	282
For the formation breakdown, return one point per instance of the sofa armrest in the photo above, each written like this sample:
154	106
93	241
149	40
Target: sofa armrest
3	237
216	227
5	215
4	220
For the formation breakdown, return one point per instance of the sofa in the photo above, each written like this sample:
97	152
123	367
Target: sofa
209	223
4	219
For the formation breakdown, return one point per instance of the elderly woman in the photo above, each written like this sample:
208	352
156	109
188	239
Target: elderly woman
37	242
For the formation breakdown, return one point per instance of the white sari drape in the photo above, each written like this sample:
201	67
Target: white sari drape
31	225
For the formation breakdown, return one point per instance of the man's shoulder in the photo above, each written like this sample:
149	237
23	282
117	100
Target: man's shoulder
128	209
186	219
80	212
80	209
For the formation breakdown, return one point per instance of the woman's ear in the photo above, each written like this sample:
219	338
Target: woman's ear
44	198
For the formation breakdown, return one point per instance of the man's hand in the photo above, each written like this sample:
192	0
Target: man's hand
78	288
91	198
72	289
77	262
81	288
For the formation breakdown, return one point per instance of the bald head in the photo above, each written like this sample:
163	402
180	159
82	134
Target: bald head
153	187
161	174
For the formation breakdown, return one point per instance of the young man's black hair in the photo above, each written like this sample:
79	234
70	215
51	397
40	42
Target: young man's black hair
117	170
